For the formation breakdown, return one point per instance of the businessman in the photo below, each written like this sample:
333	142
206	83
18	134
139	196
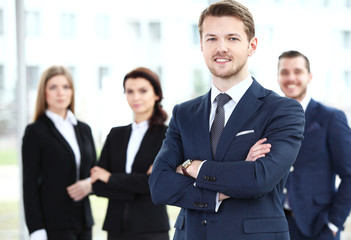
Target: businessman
201	166
313	206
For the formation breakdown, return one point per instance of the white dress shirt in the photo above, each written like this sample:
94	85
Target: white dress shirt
136	137
66	127
236	92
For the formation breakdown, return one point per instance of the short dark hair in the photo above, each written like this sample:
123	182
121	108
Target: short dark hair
294	54
230	8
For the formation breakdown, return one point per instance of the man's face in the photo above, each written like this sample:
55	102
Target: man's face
225	46
293	77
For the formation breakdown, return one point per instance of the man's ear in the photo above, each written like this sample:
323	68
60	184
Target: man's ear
252	46
310	76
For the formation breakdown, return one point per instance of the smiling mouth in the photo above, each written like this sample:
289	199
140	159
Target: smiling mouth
222	60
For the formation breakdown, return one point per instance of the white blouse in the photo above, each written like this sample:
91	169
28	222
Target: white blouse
136	137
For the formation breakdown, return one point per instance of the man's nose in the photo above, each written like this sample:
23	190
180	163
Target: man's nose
222	46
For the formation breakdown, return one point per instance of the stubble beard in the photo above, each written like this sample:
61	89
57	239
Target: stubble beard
228	74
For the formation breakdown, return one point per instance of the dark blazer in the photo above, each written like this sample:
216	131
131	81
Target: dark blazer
48	169
325	152
130	207
254	210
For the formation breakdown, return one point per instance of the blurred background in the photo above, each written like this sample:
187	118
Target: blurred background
100	41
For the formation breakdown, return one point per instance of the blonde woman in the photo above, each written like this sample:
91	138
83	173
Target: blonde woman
58	152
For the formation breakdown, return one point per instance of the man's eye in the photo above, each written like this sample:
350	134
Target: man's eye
233	39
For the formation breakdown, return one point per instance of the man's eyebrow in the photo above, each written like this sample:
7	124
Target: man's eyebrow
227	35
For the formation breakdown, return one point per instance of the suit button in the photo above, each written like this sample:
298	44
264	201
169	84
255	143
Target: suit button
204	222
214	179
285	191
206	178
292	169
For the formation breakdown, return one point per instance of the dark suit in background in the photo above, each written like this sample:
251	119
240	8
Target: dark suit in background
254	211
49	167
325	152
130	210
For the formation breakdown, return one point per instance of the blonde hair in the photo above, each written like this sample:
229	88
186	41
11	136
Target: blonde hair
41	104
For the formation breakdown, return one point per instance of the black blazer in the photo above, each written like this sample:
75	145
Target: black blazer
130	207
48	169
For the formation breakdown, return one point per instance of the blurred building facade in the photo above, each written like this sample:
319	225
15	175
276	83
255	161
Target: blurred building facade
102	40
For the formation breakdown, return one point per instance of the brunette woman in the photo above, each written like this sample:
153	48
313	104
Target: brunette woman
126	161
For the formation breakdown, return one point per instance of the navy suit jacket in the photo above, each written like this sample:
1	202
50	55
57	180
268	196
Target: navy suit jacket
254	210
325	152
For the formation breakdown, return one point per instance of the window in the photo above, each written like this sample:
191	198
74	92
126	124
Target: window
102	26
32	24
346	38
347	79
32	77
155	31
195	34
68	25
1	22
2	81
200	86
134	29
73	72
103	73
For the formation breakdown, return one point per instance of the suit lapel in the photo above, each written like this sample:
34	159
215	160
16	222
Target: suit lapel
127	131
200	127
244	109
81	147
310	113
58	135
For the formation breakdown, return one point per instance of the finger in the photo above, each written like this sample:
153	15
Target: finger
259	142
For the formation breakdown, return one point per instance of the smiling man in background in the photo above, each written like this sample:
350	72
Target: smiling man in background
314	208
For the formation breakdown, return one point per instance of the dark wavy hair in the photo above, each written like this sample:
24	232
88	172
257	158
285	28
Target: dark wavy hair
159	116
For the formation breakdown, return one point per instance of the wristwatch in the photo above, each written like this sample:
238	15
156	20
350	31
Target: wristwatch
185	165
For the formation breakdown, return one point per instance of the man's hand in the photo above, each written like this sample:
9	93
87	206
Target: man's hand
80	189
192	169
98	173
149	170
258	150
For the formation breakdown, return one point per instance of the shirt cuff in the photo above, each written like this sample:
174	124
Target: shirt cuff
218	203
333	227
198	169
39	235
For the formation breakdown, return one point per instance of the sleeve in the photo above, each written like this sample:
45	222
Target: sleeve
31	179
109	190
339	144
169	187
247	179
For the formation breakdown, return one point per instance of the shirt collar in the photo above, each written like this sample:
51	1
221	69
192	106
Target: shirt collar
57	118
305	101
235	92
141	125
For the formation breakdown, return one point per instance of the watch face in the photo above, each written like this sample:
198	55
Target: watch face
186	163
